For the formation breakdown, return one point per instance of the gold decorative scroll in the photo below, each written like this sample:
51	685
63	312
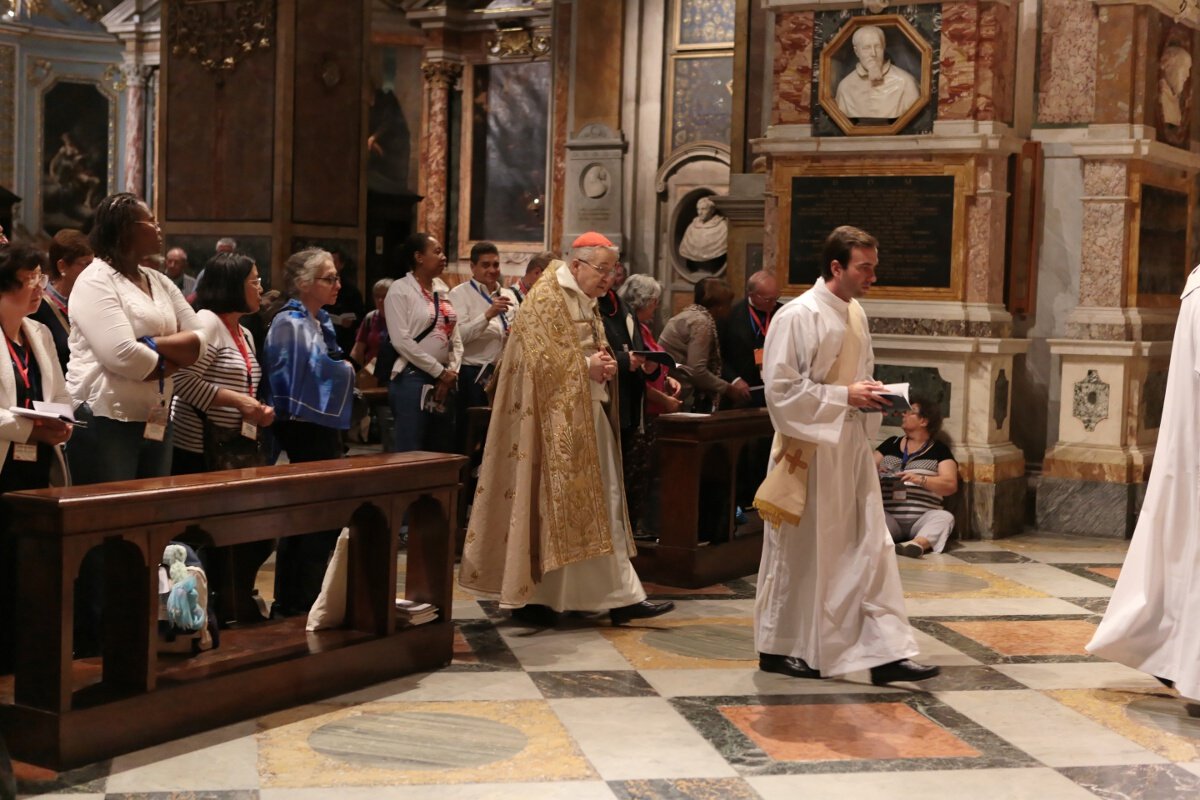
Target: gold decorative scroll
519	43
220	34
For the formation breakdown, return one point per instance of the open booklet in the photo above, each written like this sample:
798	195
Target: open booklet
896	394
45	410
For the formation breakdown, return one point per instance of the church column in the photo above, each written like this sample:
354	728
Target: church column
1137	205
440	77
136	78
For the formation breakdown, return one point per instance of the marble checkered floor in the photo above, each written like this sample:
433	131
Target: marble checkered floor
675	709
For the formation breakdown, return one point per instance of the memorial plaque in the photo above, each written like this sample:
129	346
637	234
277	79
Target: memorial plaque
912	216
1162	242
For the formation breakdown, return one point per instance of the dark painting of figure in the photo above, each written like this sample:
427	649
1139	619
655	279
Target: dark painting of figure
75	146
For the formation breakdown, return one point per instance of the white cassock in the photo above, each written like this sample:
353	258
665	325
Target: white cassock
1153	618
829	588
603	582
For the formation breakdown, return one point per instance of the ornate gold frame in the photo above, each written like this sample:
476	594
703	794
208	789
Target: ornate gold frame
668	146
1137	179
676	42
963	173
827	93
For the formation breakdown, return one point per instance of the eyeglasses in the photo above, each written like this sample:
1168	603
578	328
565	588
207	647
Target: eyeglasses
604	273
37	280
153	223
255	282
332	280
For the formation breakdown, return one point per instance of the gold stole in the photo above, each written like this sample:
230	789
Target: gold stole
783	495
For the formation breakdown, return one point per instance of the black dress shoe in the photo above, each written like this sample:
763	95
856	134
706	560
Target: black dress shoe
902	670
642	610
1170	684
536	616
791	666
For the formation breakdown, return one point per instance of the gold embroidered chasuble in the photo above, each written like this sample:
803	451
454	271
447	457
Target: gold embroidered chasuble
540	503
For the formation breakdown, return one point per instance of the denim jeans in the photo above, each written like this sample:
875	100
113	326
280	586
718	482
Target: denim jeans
417	429
111	450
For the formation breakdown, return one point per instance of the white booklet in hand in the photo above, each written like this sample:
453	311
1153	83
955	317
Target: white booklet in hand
896	394
45	410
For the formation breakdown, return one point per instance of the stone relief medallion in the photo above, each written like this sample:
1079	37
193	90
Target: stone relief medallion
595	181
1091	401
876	75
1000	400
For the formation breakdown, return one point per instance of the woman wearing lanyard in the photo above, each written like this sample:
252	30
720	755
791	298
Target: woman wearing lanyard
70	255
29	373
312	390
217	418
131	329
422	326
222	386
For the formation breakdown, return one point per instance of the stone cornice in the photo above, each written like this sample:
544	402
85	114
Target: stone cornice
1115	143
947	137
1169	8
838	5
1107	348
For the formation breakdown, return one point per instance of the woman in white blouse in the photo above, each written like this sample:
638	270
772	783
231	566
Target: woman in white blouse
422	326
29	373
131	329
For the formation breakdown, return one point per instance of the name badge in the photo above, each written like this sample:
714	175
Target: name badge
24	452
250	430
900	495
758	357
156	424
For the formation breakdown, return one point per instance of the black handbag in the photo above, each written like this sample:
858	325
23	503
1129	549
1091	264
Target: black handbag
226	448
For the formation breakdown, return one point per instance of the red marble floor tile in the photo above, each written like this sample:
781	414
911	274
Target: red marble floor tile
1108	572
1049	637
717	590
843	732
463	654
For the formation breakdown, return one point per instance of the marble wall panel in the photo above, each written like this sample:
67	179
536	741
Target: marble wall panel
793	68
558	159
1103	254
997	60
986	215
8	114
771	235
956	89
1066	63
1115	67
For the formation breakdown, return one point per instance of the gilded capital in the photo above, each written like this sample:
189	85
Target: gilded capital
441	74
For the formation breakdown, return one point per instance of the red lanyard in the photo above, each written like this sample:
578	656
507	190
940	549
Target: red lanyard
22	370
59	304
235	332
760	325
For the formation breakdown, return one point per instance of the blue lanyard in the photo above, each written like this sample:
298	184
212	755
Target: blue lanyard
905	455
488	297
149	342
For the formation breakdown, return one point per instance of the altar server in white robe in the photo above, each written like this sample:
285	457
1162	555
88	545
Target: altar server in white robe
1152	622
829	595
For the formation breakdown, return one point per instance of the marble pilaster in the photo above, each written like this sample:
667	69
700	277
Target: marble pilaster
440	77
136	77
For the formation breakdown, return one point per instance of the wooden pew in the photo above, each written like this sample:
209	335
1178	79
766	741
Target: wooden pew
697	463
62	713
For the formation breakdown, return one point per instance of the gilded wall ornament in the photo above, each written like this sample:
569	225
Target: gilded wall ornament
441	74
519	43
1091	401
220	34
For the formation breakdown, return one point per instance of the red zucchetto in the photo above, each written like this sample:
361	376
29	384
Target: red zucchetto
592	239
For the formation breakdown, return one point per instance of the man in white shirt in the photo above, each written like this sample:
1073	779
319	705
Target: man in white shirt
483	322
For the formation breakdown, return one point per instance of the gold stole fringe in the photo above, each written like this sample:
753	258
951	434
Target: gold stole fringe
783	496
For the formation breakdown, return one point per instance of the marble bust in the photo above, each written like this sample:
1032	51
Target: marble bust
1174	69
876	88
705	241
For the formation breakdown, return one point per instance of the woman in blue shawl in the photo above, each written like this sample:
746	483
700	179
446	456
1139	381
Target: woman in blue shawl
312	388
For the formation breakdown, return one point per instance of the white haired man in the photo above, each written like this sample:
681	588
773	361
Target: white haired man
876	88
549	530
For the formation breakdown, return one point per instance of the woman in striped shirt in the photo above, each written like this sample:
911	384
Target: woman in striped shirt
222	385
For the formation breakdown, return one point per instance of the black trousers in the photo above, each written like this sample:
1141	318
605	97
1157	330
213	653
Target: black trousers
300	561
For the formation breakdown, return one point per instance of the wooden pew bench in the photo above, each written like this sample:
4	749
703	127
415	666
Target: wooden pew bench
698	463
59	712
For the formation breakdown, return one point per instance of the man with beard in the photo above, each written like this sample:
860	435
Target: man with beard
877	88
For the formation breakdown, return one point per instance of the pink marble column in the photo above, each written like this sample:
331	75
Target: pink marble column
440	76
135	77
